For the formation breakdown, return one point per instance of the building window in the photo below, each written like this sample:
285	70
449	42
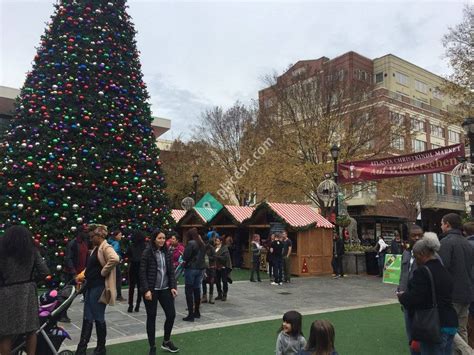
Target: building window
417	125
396	118
361	75
378	78
298	71
456	186
269	102
421	86
398	142
439	183
454	136
417	145
437	95
401	78
435	146
437	131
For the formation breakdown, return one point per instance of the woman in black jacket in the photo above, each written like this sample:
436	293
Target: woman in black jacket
419	293
223	266
158	283
194	266
134	255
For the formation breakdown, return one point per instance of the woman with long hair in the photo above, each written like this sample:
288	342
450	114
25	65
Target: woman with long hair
321	339
100	288
19	262
158	284
194	266
134	255
223	265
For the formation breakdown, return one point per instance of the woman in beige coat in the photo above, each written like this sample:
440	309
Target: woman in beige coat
100	289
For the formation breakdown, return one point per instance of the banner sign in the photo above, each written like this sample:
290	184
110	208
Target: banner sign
392	268
426	162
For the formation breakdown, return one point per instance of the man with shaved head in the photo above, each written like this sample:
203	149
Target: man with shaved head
415	233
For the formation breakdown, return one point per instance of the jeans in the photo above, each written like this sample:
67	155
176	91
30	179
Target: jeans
255	268
221	281
277	269
118	280
193	277
381	262
287	266
93	309
443	348
134	281
166	300
337	265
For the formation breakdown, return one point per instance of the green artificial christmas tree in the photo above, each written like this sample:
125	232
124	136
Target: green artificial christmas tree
81	148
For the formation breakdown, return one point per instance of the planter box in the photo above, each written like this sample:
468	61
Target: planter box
353	262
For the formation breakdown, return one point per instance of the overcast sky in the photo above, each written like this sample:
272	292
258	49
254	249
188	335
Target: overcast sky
199	54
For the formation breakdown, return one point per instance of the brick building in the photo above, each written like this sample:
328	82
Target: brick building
406	95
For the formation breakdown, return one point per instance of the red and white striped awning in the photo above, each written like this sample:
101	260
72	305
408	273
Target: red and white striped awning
177	214
300	215
240	213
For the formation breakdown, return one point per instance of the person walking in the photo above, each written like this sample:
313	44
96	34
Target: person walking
114	241
77	250
408	266
256	253
431	276
223	265
468	229
194	266
20	262
210	272
177	249
458	258
158	284
338	253
100	288
134	255
277	252
287	248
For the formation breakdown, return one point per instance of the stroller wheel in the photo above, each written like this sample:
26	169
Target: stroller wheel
66	352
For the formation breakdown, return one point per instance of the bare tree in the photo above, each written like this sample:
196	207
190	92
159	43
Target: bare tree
230	137
309	111
459	50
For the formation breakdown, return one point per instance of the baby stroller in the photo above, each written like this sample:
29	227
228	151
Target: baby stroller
50	335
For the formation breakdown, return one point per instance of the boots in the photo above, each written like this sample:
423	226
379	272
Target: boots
188	291
224	297
101	329
197	302
130	308
86	332
219	296
211	300
204	298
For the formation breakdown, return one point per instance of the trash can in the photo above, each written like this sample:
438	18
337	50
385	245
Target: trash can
371	263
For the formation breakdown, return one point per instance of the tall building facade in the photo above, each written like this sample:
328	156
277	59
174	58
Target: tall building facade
407	95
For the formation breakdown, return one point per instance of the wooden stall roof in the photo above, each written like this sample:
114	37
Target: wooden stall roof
192	218
295	215
240	213
177	215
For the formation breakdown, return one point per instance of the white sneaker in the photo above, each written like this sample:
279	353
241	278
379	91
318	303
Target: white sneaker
281	283
274	283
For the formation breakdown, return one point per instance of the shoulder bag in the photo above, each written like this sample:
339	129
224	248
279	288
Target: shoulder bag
425	325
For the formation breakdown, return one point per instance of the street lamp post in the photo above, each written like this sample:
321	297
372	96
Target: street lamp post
195	180
335	155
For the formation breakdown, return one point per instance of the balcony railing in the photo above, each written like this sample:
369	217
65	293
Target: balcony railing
436	198
417	103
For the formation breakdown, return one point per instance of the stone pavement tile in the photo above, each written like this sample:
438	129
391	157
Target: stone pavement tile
247	302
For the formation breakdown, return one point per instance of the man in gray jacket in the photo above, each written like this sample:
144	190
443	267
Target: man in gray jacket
408	266
458	258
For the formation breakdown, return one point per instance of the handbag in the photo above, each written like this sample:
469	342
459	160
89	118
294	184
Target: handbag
425	324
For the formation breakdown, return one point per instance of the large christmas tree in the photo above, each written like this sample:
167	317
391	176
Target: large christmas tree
81	148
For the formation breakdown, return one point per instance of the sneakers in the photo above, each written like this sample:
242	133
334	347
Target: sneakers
121	299
169	346
65	319
336	277
274	283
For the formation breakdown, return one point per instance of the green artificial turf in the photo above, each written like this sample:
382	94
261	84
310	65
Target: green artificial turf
375	330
